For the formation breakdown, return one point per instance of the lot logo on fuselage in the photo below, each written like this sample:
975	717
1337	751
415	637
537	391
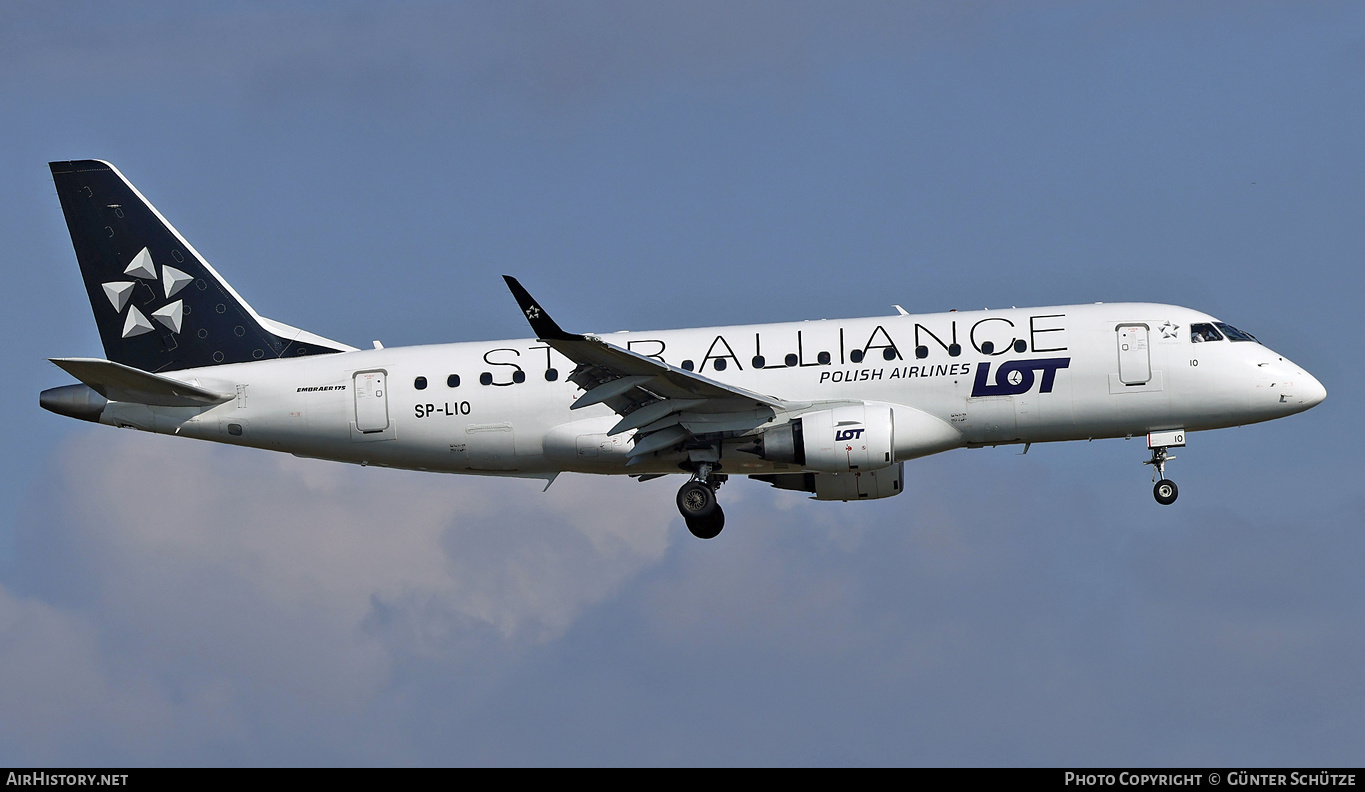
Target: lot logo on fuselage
1017	377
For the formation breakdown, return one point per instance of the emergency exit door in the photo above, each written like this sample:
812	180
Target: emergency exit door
1135	363
371	402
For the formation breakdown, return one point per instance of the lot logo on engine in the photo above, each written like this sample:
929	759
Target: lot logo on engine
847	434
1017	376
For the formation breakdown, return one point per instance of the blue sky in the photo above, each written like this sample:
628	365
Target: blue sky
370	170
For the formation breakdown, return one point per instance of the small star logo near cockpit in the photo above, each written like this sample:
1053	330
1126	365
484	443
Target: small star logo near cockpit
533	312
1169	329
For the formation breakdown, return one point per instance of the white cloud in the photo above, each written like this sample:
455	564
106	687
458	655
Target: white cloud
180	602
214	575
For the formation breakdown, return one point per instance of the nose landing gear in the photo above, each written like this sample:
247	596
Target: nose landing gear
1164	490
697	503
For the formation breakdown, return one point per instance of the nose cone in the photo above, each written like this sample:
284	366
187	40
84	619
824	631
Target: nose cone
1290	385
1313	391
1298	389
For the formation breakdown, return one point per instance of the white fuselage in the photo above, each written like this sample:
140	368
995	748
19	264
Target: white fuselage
1070	373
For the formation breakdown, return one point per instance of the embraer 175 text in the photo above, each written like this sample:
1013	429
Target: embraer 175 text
832	408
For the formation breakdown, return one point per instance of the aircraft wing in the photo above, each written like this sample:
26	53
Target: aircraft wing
668	406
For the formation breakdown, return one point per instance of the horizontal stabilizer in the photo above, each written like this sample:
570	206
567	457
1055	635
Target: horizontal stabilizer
117	382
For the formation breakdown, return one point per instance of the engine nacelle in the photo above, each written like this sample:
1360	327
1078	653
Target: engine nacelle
842	440
845	439
858	485
865	436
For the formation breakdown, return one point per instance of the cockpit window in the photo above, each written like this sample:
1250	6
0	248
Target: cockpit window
1203	332
1234	334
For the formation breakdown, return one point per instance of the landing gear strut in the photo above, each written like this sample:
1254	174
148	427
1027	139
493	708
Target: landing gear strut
1165	491
697	503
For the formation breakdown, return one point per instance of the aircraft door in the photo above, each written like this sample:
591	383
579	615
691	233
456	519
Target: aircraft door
371	401
1135	364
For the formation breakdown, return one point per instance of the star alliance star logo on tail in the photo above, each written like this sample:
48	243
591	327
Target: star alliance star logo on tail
171	315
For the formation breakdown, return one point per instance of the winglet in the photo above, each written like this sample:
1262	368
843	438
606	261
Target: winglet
545	328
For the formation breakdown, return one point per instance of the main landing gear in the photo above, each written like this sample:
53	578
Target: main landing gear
697	503
1165	491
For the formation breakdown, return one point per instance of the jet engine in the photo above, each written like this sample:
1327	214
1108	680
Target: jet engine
840	440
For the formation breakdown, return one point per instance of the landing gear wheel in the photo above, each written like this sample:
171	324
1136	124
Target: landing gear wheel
708	527
697	501
1165	492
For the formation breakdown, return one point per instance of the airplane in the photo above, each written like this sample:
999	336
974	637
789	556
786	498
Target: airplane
832	408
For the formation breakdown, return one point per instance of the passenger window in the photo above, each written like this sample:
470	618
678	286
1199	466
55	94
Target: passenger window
420	383
1200	333
453	381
